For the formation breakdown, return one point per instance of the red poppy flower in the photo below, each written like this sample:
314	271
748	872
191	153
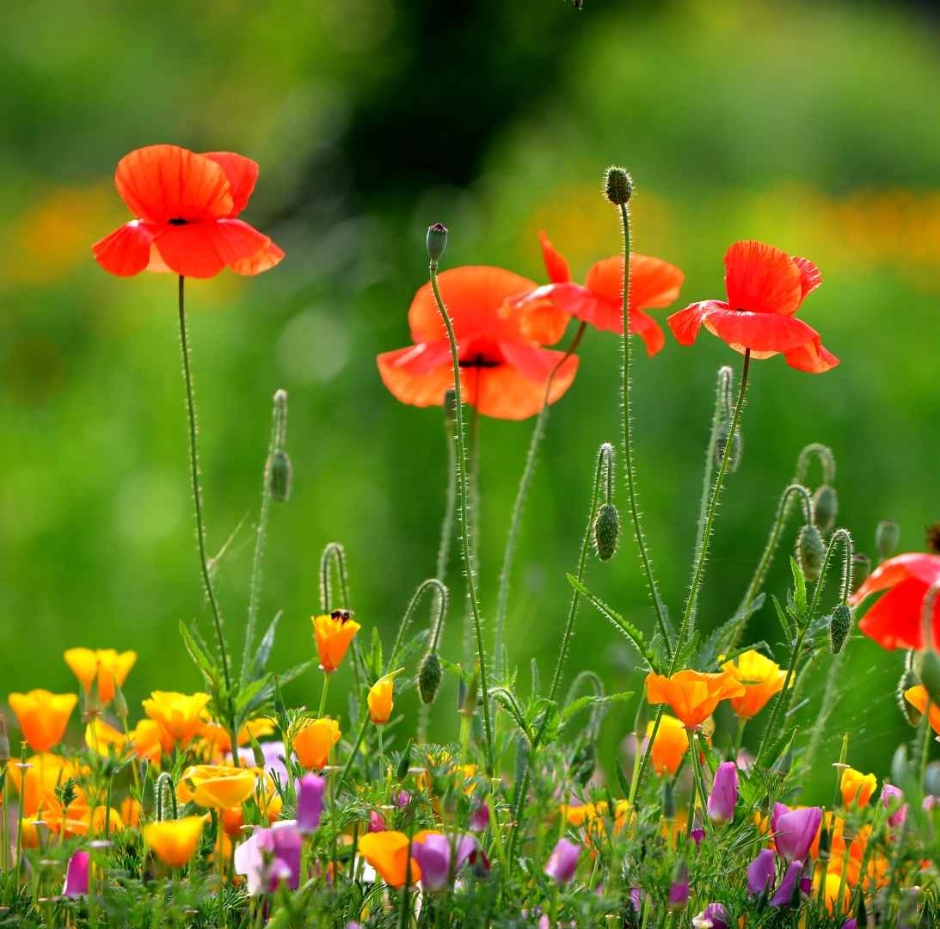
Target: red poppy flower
504	368
653	283
895	621
186	207
765	289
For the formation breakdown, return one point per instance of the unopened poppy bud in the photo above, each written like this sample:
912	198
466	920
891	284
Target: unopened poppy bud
810	551
4	741
825	507
737	447
840	624
437	241
861	568
911	713
429	677
606	531
930	675
887	536
618	186
280	476
119	703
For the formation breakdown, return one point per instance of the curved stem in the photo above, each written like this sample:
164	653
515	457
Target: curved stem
839	536
686	625
462	486
826	460
197	496
440	606
335	554
518	506
626	429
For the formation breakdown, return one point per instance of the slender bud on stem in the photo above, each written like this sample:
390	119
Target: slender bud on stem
887	536
437	241
826	507
606	532
618	186
810	551
280	471
840	624
429	677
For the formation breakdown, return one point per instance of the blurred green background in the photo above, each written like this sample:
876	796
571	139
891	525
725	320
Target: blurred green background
810	126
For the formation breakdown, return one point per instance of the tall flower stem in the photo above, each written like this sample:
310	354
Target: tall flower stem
462	487
690	604
626	429
197	497
518	506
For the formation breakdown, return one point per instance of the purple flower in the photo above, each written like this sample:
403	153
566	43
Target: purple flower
794	831
850	923
714	916
310	790
479	817
679	889
76	874
891	797
377	822
563	861
724	795
760	873
930	801
270	856
636	899
788	886
697	835
403	798
273	759
433	856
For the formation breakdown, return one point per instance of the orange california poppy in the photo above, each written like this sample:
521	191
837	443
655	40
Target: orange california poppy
36	781
693	695
381	698
218	787
179	716
103	738
504	367
146	738
387	852
765	289
109	667
315	741
856	787
333	633
761	677
43	717
917	697
175	841
896	620
654	283
669	746
185	207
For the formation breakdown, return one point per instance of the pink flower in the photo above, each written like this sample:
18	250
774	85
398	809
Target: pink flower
563	861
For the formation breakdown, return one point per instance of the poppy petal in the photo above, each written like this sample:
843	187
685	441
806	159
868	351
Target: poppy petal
190	250
923	567
605	279
812	357
164	182
239	243
556	264
685	324
895	620
262	260
810	275
578	301
761	332
126	251
654	283
648	330
242	174
762	279
419	375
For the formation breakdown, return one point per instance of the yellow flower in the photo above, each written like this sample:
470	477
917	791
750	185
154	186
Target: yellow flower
175	841
220	741
857	787
107	665
669	746
179	716
217	786
761	677
380	698
43	717
266	797
917	697
37	782
313	743
693	695
145	739
333	634
387	852
100	737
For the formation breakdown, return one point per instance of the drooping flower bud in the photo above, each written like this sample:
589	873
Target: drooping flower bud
887	536
861	568
825	508
618	186
724	794
911	713
840	624
606	532
737	446
930	675
437	241
429	677
810	551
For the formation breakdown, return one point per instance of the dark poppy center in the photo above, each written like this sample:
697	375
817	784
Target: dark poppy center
177	221
479	360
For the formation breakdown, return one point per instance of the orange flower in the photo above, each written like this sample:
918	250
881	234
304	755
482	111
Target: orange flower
693	695
36	783
589	813
185	207
761	677
179	716
102	738
217	787
314	742
380	698
387	852
221	742
669	746
130	812
917	697
145	739
504	368
43	717
333	633
108	667
81	819
175	841
856	787
234	818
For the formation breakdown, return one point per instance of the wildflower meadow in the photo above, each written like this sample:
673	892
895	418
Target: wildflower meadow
427	776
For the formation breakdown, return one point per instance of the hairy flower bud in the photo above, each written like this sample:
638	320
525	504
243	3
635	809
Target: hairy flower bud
437	241
606	531
930	675
583	762
737	446
861	568
887	536
429	677
618	186
840	624
810	551
911	713
280	476
825	508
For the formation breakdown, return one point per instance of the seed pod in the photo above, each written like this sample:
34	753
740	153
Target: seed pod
618	186
861	568
825	508
930	675
911	713
280	476
737	446
606	531
887	536
810	551
429	677
840	624
437	241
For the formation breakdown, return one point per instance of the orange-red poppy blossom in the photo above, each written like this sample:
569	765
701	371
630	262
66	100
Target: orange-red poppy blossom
896	620
654	283
765	287
693	695
504	368
185	207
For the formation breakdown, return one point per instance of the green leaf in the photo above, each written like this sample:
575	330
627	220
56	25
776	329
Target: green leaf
200	655
622	779
252	697
582	703
292	673
264	648
784	618
375	656
799	587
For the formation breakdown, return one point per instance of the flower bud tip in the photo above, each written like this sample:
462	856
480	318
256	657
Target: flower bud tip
618	186
436	241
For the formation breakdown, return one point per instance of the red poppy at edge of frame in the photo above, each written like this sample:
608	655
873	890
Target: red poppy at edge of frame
504	368
186	209
765	288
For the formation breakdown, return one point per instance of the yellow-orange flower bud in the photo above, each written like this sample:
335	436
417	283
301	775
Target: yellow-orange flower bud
669	746
333	634
380	698
314	742
175	841
109	667
856	787
761	679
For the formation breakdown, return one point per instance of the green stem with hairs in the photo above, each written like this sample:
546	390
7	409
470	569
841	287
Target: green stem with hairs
440	608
